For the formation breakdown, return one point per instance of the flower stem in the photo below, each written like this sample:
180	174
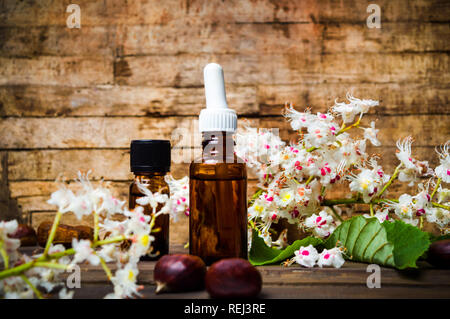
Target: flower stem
371	209
440	206
33	287
105	268
4	256
435	188
50	265
42	261
112	240
52	234
344	129
393	177
96	226
336	214
347	201
309	180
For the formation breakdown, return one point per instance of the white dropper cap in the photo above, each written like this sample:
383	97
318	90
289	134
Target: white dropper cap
217	116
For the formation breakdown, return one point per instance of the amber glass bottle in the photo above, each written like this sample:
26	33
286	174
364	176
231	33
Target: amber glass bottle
150	161
218	202
218	181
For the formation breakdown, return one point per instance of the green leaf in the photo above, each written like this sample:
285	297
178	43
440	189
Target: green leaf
260	254
394	244
409	243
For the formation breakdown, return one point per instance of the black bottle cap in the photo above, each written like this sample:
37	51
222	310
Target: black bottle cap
150	156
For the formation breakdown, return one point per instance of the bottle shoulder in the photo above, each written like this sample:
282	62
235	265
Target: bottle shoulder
218	170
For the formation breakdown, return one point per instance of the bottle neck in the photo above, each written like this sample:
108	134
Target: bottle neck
149	175
218	146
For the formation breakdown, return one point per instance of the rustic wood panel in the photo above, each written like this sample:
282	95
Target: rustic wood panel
420	98
287	68
224	38
114	100
304	291
56	41
52	12
73	71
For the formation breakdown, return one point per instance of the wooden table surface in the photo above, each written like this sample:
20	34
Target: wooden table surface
296	282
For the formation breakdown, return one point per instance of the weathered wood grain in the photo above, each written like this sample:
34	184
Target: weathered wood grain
53	12
114	100
419	99
72	71
392	37
56	41
261	100
286	68
230	38
222	38
351	273
304	291
117	132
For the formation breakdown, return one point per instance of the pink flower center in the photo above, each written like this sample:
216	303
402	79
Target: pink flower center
305	253
326	256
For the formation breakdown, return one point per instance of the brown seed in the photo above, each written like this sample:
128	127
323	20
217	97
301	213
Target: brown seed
233	278
179	272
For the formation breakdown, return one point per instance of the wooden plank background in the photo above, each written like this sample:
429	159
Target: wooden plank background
72	99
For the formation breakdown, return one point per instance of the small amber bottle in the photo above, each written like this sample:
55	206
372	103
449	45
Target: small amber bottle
218	181
150	161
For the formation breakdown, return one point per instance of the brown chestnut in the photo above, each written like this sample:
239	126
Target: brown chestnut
179	272
439	253
26	234
233	278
